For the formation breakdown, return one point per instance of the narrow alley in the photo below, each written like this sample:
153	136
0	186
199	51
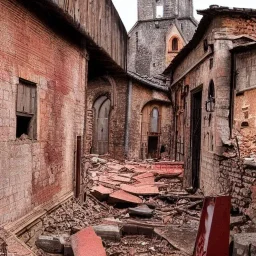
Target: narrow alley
116	143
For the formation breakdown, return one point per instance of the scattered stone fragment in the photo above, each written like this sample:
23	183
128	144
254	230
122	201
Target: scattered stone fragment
50	244
182	238
121	196
121	179
86	242
142	210
101	193
140	190
133	229
242	244
237	220
108	232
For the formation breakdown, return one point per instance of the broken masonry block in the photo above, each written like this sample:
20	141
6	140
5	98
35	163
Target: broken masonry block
142	210
108	232
50	244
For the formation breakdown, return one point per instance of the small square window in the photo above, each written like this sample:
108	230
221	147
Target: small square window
26	109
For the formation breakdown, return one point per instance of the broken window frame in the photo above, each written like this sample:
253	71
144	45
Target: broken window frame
26	108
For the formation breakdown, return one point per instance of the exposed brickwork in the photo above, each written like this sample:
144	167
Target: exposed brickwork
34	172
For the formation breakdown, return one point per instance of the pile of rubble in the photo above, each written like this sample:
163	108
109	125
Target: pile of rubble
135	208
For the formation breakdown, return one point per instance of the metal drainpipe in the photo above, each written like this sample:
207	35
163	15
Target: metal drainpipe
128	117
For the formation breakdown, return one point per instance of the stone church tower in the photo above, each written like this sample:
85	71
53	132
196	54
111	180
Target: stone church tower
163	28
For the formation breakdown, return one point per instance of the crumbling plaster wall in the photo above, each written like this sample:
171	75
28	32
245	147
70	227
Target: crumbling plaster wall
238	172
35	172
116	89
140	97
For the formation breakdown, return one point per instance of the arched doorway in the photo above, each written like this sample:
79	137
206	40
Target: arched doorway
101	125
150	131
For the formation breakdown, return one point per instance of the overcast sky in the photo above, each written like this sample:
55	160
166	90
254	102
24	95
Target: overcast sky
128	8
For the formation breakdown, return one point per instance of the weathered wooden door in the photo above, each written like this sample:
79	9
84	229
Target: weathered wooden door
196	120
101	125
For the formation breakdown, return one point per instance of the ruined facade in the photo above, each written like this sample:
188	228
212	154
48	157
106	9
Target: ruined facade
43	77
211	89
163	28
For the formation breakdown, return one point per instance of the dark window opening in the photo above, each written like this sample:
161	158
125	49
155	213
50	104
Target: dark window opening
23	123
26	109
211	91
210	103
211	63
206	45
245	124
175	44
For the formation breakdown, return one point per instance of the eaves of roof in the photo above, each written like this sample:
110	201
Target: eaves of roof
146	82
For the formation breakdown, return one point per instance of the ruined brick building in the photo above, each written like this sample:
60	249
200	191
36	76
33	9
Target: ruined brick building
212	87
44	71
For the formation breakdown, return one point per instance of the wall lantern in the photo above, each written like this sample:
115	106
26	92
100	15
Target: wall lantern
210	104
3	247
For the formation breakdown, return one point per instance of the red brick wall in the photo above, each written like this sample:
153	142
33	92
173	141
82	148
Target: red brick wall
34	172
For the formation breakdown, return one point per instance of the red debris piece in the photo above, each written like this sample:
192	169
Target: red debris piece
140	190
121	196
121	179
101	192
86	242
172	172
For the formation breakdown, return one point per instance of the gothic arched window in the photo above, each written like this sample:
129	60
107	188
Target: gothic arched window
154	119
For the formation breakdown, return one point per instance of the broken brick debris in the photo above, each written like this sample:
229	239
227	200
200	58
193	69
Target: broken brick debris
101	192
140	190
86	242
121	196
244	244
